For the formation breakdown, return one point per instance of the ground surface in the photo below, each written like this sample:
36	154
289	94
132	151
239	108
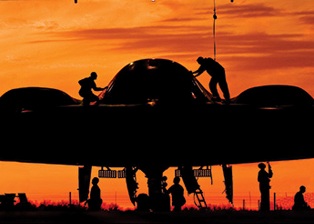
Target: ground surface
130	217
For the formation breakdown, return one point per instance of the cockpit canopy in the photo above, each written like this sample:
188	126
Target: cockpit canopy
157	80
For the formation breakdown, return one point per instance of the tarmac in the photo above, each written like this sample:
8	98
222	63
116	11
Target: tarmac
134	217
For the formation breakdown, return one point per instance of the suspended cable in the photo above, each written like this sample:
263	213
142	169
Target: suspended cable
214	29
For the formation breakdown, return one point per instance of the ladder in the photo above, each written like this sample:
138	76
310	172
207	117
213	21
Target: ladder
200	203
188	175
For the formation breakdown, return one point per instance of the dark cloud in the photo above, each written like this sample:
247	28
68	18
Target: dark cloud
274	50
249	10
305	17
249	52
243	10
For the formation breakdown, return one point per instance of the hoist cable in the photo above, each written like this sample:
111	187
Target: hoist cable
214	29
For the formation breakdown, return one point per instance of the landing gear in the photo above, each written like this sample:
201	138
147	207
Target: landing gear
227	171
131	183
84	180
157	199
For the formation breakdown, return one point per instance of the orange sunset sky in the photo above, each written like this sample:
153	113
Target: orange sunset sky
55	43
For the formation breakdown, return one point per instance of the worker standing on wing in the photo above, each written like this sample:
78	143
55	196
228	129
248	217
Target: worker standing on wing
218	77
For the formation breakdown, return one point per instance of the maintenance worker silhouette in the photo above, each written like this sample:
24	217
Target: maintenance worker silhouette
88	84
264	185
218	77
177	194
299	202
94	202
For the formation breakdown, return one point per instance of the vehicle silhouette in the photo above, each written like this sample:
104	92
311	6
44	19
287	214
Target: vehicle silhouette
154	115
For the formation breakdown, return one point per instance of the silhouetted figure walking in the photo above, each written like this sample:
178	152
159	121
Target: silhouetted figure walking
218	76
264	185
94	202
299	202
87	85
177	194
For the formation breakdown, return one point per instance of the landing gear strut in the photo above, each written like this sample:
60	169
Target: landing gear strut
158	199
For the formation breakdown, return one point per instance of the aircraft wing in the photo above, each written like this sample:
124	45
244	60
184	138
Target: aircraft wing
153	138
120	135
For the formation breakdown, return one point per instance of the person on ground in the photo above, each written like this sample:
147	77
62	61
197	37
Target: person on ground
94	202
264	185
177	194
299	201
